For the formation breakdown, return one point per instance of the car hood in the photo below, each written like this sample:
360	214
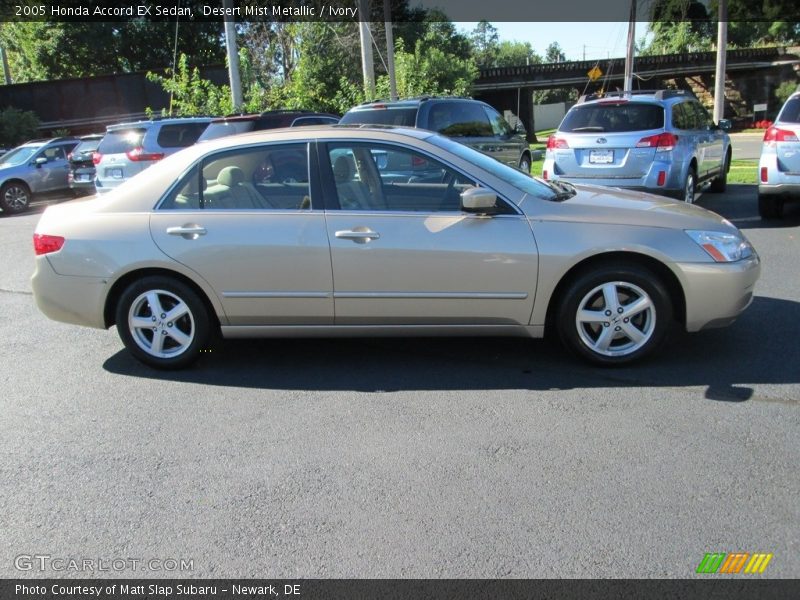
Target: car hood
602	205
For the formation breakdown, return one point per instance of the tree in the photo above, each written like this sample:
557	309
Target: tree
485	43
16	126
515	54
554	53
192	95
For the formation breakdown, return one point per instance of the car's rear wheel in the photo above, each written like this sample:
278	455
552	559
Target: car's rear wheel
15	197
689	187
770	207
720	183
525	164
162	322
614	315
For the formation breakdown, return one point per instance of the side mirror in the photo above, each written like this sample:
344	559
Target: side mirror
479	201
40	161
725	124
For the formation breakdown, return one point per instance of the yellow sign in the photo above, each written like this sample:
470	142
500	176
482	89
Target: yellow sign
594	73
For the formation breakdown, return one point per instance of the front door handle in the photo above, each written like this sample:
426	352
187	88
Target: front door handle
360	235
190	231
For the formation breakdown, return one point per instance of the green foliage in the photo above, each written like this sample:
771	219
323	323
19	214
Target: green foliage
431	70
515	54
786	89
191	94
485	44
554	53
17	126
51	50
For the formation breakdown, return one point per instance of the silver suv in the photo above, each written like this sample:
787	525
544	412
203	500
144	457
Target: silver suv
779	167
37	167
662	141
129	148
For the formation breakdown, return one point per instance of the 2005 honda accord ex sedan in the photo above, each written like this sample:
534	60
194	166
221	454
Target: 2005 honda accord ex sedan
337	231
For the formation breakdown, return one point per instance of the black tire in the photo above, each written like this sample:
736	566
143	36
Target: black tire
193	327
525	164
691	181
15	197
770	207
720	183
585	296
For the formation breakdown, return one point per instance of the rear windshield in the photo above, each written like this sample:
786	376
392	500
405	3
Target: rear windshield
791	112
87	146
221	129
404	117
120	141
613	118
180	135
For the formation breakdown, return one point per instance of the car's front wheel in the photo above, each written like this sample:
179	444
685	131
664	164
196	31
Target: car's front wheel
162	322
770	207
525	164
15	197
614	315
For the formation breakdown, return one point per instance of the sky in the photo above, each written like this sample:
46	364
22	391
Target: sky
597	40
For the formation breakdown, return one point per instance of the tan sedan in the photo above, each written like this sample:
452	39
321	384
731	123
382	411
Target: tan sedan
350	232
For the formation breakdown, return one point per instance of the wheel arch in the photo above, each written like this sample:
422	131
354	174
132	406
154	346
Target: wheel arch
17	180
119	286
619	258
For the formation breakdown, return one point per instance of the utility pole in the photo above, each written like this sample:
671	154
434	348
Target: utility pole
233	56
367	65
722	47
628	85
387	22
6	70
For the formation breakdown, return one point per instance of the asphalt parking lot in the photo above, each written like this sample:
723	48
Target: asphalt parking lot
476	458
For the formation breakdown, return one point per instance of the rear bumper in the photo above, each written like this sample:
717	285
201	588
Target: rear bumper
76	300
717	293
780	189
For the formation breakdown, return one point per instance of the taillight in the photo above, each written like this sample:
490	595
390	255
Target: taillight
96	157
662	178
662	142
544	174
45	244
555	142
774	134
764	177
138	154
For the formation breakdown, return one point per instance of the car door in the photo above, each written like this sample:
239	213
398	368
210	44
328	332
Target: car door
250	224
403	253
711	139
52	175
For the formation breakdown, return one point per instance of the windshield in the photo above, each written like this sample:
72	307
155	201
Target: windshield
526	183
20	155
225	128
403	117
791	112
613	118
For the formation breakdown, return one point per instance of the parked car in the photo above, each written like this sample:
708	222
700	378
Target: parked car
80	176
296	233
661	141
273	119
130	148
36	167
469	121
779	166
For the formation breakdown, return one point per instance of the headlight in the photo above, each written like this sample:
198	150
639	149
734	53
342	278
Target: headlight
722	247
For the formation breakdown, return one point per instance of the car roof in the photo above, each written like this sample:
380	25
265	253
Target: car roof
650	96
165	121
410	102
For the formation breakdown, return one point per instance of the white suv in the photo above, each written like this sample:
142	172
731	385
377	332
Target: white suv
129	148
779	167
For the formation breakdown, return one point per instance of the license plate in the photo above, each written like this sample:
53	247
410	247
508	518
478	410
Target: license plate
83	177
601	157
114	173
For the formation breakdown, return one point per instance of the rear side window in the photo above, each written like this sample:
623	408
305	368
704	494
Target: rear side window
791	111
180	135
120	141
614	118
404	117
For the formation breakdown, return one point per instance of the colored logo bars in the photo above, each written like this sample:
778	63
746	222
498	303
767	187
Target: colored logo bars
720	562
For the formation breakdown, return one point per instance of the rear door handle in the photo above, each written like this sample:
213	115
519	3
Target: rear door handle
358	235
189	231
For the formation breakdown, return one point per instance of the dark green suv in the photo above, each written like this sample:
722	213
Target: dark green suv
468	121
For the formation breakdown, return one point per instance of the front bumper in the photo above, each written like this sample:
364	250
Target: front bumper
717	293
69	299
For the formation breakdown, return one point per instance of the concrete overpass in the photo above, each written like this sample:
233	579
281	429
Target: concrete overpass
752	73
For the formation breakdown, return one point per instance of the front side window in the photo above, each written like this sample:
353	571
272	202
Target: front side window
382	177
54	153
265	178
500	126
704	120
